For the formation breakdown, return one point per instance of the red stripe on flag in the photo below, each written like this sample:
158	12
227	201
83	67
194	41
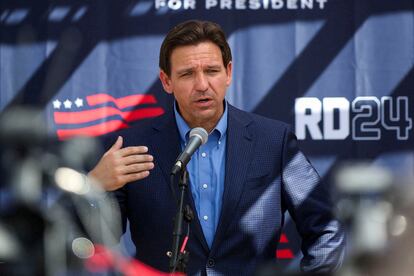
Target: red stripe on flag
79	117
95	130
284	254
283	238
123	102
143	113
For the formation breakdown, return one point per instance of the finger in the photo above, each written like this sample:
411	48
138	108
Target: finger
132	150
117	145
134	176
136	168
136	158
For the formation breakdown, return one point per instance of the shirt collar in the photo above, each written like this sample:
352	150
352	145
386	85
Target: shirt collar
184	129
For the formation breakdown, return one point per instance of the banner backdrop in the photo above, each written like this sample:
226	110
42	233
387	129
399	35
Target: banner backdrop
340	71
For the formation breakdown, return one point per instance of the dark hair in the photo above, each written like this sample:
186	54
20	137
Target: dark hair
193	32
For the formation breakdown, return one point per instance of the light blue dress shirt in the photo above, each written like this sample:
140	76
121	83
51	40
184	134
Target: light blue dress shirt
206	170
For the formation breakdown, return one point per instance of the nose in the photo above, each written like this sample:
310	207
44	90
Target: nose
201	82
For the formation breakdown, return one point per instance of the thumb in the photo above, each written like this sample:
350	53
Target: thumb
117	145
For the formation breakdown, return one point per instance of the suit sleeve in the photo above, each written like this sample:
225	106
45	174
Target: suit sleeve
115	200
309	203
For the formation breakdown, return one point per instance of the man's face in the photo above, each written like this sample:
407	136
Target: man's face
198	82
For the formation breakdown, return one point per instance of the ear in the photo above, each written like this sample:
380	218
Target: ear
166	82
229	69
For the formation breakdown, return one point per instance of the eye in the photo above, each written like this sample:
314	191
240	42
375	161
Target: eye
212	71
186	74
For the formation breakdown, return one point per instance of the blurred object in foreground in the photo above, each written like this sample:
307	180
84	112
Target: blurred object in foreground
365	207
53	217
377	209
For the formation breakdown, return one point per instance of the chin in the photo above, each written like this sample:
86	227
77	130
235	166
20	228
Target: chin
207	114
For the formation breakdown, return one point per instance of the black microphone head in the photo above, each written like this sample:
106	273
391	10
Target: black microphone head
201	133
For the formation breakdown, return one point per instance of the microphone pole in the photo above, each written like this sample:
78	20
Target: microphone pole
178	256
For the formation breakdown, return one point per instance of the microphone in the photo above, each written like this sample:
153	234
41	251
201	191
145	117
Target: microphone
198	137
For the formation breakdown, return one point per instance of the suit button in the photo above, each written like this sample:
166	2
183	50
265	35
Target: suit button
210	263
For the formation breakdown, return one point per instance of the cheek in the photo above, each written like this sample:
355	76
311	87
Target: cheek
220	87
182	87
182	94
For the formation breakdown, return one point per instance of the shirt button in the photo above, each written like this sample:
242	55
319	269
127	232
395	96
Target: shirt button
204	154
205	217
219	142
205	186
210	263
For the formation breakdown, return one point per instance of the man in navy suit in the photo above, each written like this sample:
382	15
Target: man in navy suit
241	181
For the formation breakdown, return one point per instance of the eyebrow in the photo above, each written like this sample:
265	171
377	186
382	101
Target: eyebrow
190	69
214	67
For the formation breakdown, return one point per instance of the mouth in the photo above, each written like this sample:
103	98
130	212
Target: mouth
203	102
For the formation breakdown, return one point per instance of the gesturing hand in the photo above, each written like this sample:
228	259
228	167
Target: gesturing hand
119	166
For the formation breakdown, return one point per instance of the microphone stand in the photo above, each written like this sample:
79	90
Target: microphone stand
179	257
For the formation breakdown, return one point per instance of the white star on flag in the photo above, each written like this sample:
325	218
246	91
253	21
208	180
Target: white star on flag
78	102
67	104
56	104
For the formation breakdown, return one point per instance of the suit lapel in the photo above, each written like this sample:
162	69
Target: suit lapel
166	146
239	152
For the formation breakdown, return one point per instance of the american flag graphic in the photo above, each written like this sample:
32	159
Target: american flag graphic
101	113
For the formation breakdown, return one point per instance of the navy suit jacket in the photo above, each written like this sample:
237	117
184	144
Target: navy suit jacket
265	175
